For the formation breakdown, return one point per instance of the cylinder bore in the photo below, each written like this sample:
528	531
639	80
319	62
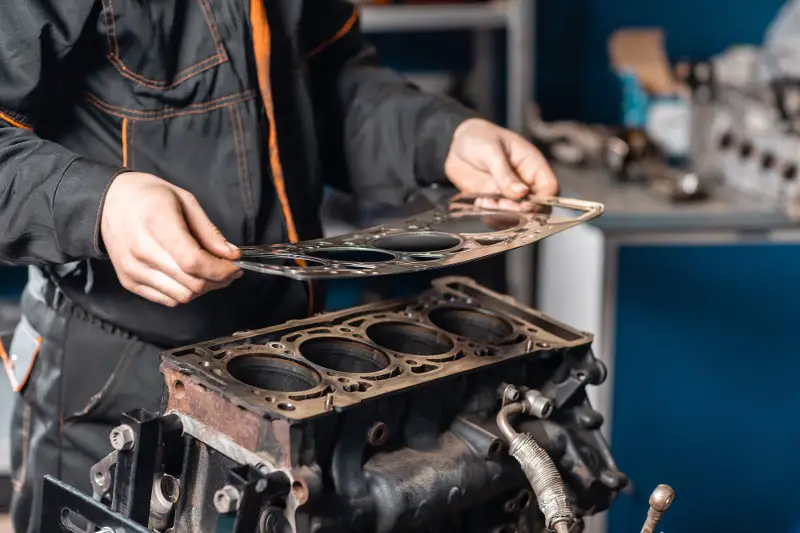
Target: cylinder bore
417	242
352	255
487	223
478	326
343	355
273	373
408	338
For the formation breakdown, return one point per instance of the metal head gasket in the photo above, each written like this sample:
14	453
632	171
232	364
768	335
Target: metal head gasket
305	369
442	237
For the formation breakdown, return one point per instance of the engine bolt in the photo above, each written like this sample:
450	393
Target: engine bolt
509	393
660	500
538	404
122	437
226	499
378	434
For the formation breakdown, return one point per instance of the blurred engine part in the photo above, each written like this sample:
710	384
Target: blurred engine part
381	418
459	232
751	142
629	153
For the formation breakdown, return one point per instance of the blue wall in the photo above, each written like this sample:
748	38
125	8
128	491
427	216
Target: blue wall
705	386
574	80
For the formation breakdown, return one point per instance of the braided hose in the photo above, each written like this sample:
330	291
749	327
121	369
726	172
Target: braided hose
542	474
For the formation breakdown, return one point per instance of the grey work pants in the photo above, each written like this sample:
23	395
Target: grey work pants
86	374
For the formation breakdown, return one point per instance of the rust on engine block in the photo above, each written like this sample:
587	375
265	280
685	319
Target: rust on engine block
254	385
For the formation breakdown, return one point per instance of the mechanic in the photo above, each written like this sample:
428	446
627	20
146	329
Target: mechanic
142	142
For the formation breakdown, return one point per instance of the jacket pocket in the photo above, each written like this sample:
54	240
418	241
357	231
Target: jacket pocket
162	44
19	352
106	372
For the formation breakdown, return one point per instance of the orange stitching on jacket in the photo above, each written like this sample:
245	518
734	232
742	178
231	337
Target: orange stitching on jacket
124	142
246	181
8	117
183	75
7	364
17	386
217	59
241	170
115	50
259	24
160	114
338	35
262	49
212	27
108	27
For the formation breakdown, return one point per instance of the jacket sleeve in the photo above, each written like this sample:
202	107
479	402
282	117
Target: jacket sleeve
380	137
50	197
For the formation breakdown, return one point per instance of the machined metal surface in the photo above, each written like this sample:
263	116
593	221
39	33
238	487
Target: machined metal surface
457	233
359	407
307	368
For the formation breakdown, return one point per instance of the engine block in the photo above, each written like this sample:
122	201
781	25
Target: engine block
383	418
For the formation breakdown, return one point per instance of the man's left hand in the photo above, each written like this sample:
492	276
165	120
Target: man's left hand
485	159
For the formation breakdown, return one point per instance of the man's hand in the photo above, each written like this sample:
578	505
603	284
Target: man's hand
162	245
485	159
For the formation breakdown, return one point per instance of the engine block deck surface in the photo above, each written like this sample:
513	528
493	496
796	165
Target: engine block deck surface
304	369
457	233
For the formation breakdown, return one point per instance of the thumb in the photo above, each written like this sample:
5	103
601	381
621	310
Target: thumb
507	180
206	233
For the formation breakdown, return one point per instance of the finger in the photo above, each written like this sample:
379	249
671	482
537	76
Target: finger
506	178
470	180
211	286
159	259
164	284
149	293
532	167
486	203
185	250
509	205
206	233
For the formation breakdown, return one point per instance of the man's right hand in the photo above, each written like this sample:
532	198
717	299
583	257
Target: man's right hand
162	244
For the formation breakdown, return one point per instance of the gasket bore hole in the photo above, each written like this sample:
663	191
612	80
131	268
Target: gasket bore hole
407	338
267	372
478	326
415	243
344	355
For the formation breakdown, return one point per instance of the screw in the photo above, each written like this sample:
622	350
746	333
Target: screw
122	437
509	393
660	500
226	499
538	405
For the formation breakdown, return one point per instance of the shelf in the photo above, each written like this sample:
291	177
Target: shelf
401	18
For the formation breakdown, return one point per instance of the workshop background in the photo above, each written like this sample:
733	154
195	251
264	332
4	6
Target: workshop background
693	302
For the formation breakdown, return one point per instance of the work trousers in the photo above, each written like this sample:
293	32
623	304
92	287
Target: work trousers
86	374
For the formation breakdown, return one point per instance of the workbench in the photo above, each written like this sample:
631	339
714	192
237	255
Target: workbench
695	313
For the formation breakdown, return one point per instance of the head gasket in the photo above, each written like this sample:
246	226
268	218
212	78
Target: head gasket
450	235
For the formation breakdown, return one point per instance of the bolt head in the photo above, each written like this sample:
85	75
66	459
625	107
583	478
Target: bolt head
661	498
226	499
122	438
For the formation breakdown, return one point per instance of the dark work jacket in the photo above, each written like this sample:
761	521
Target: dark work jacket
251	105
